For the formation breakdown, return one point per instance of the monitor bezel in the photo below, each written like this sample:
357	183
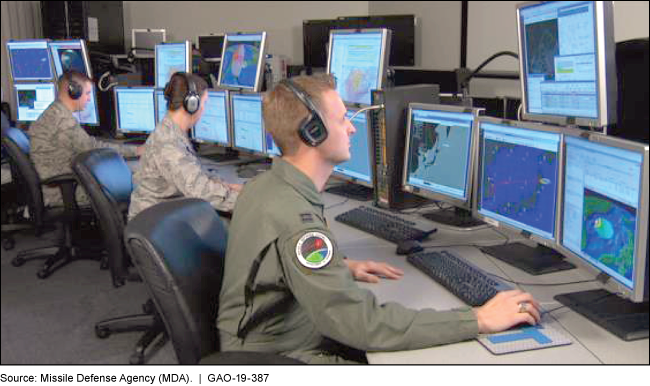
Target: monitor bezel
341	176
117	115
188	60
15	88
228	122
639	292
233	95
472	161
146	54
84	51
53	76
606	82
382	76
217	35
531	126
260	71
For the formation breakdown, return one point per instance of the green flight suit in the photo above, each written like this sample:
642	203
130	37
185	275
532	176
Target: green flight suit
292	309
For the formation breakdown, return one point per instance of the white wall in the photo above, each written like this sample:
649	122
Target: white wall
437	34
282	20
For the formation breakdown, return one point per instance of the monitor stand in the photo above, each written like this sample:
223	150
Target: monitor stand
621	317
536	261
459	218
353	191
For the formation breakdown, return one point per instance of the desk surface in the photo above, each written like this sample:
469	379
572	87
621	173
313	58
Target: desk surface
591	343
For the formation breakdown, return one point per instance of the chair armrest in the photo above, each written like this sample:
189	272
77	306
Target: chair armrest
60	179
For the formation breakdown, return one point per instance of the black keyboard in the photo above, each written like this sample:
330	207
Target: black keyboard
461	278
383	225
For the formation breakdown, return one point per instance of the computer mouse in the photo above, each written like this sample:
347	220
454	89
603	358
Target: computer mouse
408	247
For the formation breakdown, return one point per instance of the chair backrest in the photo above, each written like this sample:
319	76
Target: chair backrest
107	179
16	144
179	248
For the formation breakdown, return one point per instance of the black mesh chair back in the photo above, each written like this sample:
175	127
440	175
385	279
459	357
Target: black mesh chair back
179	249
107	179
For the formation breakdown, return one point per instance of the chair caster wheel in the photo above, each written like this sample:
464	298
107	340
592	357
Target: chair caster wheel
8	244
18	261
102	333
136	359
43	274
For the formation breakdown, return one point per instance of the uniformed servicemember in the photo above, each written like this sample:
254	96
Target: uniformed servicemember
56	136
169	167
287	289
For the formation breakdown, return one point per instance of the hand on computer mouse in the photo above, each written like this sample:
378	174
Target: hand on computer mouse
371	271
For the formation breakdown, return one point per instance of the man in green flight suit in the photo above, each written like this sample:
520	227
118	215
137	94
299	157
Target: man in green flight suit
287	289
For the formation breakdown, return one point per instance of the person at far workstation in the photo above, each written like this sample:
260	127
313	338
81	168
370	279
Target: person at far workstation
169	167
287	288
56	137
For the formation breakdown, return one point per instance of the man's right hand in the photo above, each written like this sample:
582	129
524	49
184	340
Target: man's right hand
504	311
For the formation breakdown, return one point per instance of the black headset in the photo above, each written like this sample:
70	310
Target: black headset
75	90
312	130
192	100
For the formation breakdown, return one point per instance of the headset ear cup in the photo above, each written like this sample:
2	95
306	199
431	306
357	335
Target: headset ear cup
312	131
74	90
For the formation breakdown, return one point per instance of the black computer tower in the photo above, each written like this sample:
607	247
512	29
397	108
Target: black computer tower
99	23
388	126
632	73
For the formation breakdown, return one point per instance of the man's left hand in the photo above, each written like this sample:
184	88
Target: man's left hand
371	271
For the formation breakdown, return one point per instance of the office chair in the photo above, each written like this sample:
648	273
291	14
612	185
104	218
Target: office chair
179	248
29	184
107	179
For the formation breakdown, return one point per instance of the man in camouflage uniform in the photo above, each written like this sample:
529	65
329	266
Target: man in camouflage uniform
56	136
169	167
287	288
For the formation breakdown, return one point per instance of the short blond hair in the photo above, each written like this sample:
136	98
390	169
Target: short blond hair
283	111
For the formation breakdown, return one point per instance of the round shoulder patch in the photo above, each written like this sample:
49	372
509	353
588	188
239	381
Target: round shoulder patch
314	250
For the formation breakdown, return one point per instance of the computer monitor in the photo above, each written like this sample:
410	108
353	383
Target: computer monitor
135	109
214	124
30	60
605	225
272	150
211	47
247	123
567	62
171	58
517	183
242	62
358	169
439	158
32	99
89	115
358	59
144	41
70	55
161	104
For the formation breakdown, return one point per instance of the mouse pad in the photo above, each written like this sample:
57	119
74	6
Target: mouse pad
524	339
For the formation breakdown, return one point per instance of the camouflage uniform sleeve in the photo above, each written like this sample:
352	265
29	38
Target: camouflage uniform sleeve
81	141
183	170
344	312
